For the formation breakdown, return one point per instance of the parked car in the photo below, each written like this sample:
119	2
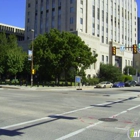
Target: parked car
105	84
130	83
138	84
118	84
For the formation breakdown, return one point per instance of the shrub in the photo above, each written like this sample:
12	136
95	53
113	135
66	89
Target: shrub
93	81
14	81
126	78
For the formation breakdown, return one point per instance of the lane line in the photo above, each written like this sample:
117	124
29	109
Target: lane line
23	123
122	128
90	126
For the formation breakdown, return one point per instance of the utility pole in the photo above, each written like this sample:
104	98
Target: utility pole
32	64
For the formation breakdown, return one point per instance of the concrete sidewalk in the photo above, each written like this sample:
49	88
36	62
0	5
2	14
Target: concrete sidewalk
45	88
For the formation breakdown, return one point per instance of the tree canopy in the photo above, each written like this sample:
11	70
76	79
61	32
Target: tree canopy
111	73
12	56
57	52
130	70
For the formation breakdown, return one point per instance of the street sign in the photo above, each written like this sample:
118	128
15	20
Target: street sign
139	48
122	48
78	79
30	55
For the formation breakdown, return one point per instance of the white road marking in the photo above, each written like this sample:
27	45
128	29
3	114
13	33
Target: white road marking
121	128
90	126
46	118
75	110
133	107
23	123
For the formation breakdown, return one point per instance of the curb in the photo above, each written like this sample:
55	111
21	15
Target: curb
9	87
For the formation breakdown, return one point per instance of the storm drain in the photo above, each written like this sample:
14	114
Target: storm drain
108	119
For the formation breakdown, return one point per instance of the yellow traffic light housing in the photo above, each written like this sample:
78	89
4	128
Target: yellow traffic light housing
135	49
113	50
33	71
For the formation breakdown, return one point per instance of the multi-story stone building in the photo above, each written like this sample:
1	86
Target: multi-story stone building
8	29
137	56
138	29
97	22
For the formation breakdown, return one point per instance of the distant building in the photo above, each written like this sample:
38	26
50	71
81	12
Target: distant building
137	56
97	22
138	29
8	29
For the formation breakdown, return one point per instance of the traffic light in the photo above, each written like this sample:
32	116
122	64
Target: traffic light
113	50
134	49
33	71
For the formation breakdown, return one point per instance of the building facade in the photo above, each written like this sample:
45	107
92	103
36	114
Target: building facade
8	29
138	29
100	23
137	56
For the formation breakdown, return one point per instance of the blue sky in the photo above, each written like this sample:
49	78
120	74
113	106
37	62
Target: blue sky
12	12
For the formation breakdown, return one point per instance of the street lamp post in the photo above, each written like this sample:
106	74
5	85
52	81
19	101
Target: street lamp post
32	65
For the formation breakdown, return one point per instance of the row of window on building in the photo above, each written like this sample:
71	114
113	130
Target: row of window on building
11	29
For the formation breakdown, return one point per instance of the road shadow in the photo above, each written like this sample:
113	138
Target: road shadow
130	90
113	102
10	133
15	132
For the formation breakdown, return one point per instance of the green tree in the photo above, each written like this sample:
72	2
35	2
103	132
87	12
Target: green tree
130	69
111	73
15	58
57	52
3	50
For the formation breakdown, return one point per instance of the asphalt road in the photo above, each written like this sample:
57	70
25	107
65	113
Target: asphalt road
98	114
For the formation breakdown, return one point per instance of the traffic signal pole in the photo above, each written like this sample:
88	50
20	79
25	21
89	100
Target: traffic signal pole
32	31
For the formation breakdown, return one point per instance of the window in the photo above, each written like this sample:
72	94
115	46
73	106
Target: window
81	2
81	10
59	20
102	39
128	62
53	3
131	63
81	20
59	11
59	2
94	53
53	13
71	1
106	59
125	62
28	20
93	11
29	5
71	20
52	22
103	58
71	9
47	4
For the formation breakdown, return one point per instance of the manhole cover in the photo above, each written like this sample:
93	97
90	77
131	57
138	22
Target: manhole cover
108	119
106	95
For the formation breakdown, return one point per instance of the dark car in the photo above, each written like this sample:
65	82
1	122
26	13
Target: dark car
118	84
130	83
138	84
